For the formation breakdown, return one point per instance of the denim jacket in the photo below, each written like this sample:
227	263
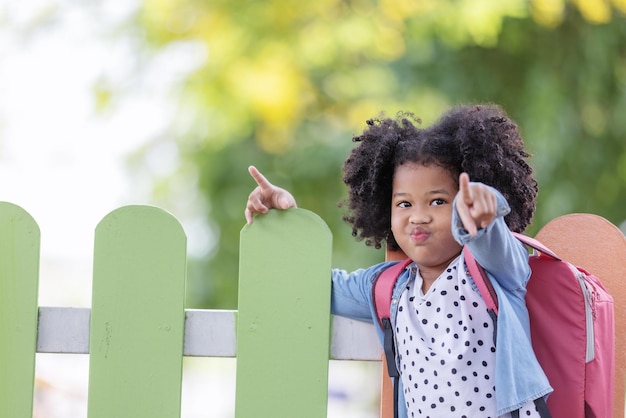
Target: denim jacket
519	378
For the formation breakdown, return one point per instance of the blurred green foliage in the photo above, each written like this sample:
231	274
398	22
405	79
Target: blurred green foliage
287	83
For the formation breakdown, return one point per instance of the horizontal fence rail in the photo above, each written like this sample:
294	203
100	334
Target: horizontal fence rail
208	333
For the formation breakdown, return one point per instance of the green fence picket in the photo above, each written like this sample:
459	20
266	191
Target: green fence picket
283	331
137	317
19	279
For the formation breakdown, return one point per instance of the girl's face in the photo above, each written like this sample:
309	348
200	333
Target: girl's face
421	216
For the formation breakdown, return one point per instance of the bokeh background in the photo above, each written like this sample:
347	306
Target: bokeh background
167	102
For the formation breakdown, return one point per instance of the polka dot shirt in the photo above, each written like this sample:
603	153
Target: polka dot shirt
445	349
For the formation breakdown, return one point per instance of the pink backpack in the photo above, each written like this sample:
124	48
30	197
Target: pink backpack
572	328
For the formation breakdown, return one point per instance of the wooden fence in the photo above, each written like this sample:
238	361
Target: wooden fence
138	330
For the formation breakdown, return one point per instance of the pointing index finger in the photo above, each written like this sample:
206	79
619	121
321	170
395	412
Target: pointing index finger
464	188
259	178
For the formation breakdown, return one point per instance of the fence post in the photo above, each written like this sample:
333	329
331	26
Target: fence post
283	331
137	315
19	280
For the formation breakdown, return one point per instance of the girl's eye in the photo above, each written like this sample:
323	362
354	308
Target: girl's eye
403	204
438	202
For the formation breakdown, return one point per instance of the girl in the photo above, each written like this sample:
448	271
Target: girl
410	188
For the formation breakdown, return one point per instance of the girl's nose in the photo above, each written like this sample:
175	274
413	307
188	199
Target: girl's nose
419	217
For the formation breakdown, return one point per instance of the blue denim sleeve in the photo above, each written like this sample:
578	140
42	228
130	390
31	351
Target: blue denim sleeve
495	248
352	292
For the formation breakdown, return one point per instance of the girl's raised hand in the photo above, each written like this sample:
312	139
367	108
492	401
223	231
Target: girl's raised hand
476	204
266	196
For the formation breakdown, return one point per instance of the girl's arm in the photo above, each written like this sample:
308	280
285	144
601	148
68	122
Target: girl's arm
352	291
350	295
478	222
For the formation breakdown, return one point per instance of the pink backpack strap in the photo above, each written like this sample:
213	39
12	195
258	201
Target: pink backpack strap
533	243
485	288
382	294
383	289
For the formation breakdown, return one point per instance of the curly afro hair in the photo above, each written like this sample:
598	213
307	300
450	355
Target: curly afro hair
477	139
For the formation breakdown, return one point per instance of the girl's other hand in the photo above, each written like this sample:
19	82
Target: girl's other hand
266	196
476	204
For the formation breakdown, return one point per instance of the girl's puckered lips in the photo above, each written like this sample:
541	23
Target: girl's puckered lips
419	235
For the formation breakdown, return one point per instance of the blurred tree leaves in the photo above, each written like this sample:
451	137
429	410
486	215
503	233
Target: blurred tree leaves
286	84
